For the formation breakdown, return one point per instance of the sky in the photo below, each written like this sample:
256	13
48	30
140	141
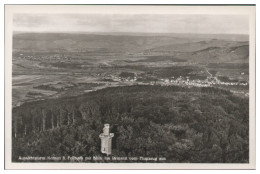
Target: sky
141	23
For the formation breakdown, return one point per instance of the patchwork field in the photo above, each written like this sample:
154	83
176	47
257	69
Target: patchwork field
55	65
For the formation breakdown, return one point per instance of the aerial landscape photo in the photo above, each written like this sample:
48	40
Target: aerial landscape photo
137	88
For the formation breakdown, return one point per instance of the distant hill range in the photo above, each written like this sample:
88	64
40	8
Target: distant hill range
191	47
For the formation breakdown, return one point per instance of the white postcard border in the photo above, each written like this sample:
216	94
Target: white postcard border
125	9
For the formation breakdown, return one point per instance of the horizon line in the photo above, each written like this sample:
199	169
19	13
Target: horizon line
122	32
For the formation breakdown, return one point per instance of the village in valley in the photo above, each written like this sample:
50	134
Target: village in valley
163	96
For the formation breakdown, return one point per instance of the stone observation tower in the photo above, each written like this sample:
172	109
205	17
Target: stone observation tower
106	140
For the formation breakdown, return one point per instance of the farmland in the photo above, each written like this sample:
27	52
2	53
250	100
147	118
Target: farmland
52	65
178	97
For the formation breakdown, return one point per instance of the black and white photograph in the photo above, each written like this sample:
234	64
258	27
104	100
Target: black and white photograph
126	84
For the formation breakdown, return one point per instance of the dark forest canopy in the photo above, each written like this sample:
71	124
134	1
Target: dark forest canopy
205	125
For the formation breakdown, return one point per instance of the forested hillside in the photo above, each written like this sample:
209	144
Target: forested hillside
185	125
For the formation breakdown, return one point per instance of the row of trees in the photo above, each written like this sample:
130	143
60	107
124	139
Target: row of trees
181	124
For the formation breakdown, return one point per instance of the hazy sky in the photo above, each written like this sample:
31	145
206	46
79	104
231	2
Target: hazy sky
208	24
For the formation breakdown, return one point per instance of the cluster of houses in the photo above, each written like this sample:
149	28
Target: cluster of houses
45	57
200	83
120	79
182	81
